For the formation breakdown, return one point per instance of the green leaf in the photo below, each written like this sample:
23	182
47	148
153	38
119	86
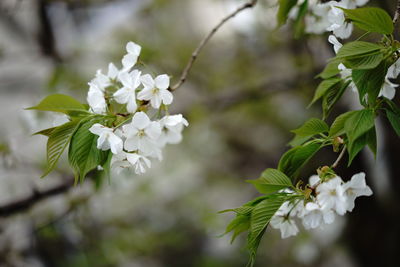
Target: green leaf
297	157
260	217
58	140
363	63
298	140
370	82
284	8
358	124
312	127
83	154
271	181
323	87
299	23
370	19
337	127
59	103
330	70
238	225
46	132
394	120
358	49
333	95
368	138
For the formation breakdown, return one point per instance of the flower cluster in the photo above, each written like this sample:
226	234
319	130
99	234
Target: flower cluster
328	198
126	94
328	16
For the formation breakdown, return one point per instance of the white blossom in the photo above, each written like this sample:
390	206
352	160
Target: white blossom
107	138
314	216
119	162
334	41
330	195
317	22
127	94
171	129
388	89
156	90
394	70
354	188
338	25
141	134
95	99
130	59
283	220
139	162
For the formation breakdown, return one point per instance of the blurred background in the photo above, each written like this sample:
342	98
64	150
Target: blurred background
247	90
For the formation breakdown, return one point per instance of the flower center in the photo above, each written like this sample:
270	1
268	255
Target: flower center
333	192
141	133
155	91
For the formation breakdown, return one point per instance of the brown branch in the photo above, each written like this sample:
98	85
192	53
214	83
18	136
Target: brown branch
203	42
26	203
336	163
397	13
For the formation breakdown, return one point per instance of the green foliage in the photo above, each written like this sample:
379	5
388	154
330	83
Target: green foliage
393	115
83	154
259	219
284	8
271	181
46	132
59	139
323	87
330	70
337	127
360	55
394	119
60	103
312	127
358	49
370	82
370	19
332	96
357	127
295	158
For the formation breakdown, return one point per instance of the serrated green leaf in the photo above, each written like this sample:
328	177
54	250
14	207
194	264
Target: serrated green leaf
358	124
394	120
330	70
358	49
271	181
58	140
323	87
299	24
337	127
367	139
238	225
333	95
260	217
363	63
295	158
312	127
370	82
370	19
83	154
46	132
59	103
298	140
284	8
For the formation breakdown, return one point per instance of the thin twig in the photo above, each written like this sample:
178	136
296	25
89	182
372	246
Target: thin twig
397	13
203	42
336	163
26	203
